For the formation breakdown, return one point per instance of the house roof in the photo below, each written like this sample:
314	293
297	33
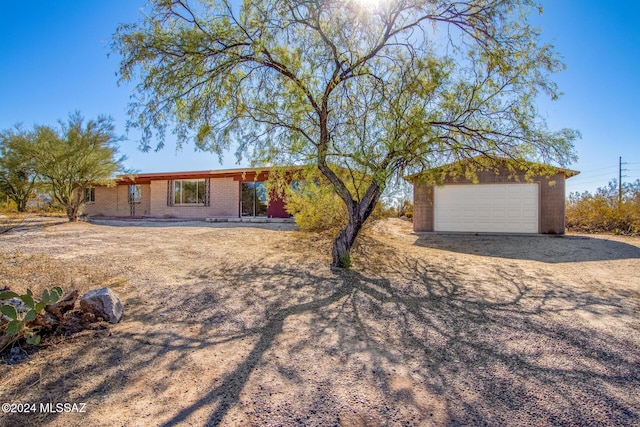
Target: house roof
568	173
145	178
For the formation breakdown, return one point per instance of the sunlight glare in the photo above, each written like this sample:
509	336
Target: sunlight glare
369	4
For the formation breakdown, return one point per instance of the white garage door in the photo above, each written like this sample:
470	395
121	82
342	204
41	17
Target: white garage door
497	208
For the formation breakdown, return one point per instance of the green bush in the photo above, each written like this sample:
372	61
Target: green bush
604	211
20	322
7	206
316	207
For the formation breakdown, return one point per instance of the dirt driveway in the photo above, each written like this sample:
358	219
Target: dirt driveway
247	325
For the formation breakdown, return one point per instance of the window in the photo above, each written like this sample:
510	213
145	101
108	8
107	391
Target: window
189	192
135	194
89	195
254	199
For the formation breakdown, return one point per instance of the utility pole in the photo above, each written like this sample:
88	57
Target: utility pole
620	176
620	181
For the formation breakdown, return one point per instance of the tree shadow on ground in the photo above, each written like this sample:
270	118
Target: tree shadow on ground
265	223
28	223
543	248
414	344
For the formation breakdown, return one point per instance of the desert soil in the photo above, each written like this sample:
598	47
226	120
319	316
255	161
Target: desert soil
234	325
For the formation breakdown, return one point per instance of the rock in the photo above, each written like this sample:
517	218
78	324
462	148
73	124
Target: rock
64	305
102	303
88	318
16	355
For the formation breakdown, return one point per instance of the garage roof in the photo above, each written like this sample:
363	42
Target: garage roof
493	161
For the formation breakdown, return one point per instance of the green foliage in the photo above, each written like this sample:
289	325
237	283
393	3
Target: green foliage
7	206
369	88
316	207
18	176
74	157
604	211
63	160
314	203
20	322
381	211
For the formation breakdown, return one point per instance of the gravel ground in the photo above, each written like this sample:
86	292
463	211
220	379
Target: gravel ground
245	324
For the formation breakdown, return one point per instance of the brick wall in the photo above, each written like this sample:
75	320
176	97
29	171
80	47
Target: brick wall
552	205
552	200
224	201
422	207
109	201
114	201
144	207
224	193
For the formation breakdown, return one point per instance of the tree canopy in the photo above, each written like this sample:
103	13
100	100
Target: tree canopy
17	167
378	88
77	155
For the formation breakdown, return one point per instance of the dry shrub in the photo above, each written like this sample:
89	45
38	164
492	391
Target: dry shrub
405	209
604	212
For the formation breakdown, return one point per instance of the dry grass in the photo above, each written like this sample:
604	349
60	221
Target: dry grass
247	325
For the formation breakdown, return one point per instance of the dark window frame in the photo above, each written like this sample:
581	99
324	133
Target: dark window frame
179	191
90	195
256	191
135	193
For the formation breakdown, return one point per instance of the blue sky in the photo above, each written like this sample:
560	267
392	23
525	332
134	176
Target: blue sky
54	60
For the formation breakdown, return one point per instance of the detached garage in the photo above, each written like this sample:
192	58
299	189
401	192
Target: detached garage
500	202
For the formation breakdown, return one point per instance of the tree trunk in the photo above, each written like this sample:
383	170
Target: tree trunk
21	205
341	252
359	212
72	212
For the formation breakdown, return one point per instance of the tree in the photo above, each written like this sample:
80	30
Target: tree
75	157
378	88
17	170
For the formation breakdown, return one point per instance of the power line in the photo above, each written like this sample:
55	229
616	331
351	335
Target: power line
590	177
593	176
599	169
569	183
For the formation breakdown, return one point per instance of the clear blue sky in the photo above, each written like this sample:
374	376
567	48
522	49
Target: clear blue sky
54	60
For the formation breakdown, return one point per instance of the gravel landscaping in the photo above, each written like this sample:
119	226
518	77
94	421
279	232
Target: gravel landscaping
240	324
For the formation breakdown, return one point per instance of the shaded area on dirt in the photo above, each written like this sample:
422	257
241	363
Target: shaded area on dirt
428	344
543	248
263	223
12	224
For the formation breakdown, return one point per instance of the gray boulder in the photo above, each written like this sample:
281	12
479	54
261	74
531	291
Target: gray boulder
102	303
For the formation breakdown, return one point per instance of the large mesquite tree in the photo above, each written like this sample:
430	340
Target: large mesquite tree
376	88
80	154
